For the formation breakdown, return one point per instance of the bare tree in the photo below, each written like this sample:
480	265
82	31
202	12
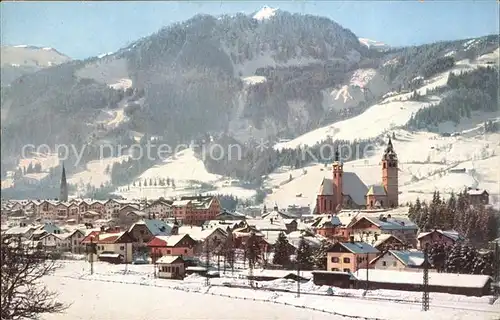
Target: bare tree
23	295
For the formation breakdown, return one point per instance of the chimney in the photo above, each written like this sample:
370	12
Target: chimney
351	238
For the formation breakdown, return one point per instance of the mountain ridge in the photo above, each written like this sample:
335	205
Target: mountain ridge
237	76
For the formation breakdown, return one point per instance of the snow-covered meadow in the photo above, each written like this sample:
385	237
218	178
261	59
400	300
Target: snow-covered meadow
132	292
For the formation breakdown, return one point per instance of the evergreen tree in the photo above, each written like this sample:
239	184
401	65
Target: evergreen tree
145	182
30	168
282	250
320	255
252	250
168	181
304	255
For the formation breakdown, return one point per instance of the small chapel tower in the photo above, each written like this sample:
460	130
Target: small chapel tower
338	171
390	175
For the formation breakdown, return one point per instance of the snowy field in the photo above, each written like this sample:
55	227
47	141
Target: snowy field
189	173
113	292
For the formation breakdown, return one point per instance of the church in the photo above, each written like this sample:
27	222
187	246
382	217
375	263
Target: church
347	191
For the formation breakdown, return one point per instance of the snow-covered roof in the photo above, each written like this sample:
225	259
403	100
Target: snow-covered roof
390	223
376	190
156	227
197	233
451	234
415	277
19	230
172	240
406	257
351	186
280	273
170	259
476	192
358	247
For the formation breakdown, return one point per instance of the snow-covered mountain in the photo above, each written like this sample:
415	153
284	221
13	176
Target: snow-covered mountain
24	59
265	13
374	44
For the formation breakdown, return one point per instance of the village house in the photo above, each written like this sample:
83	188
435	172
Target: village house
161	208
400	227
52	242
23	231
98	206
196	210
350	256
347	190
443	237
171	267
398	260
89	216
116	246
331	227
73	241
178	245
47	210
381	242
478	196
203	236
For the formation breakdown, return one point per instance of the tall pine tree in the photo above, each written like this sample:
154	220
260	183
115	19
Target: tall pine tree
282	250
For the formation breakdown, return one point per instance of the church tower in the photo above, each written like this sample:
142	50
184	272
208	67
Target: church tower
64	186
338	171
390	175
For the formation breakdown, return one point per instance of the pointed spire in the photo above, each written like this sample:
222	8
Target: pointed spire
337	154
63	196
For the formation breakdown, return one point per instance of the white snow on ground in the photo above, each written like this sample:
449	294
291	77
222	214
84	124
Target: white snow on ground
118	118
425	160
114	293
372	123
104	55
46	160
95	173
254	80
362	76
122	84
188	173
265	13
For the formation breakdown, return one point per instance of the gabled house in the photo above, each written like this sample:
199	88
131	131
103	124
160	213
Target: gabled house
52	242
477	196
350	256
171	267
144	230
178	245
161	209
400	227
330	226
382	242
213	237
399	260
444	237
73	241
111	246
196	210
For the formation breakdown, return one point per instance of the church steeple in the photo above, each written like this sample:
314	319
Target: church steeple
64	186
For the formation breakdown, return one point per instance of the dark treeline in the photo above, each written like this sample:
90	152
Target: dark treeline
465	93
479	224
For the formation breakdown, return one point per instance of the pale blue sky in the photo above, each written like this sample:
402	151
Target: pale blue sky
83	29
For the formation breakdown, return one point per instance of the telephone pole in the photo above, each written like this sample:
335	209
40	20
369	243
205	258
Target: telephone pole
425	289
207	263
367	281
298	279
91	257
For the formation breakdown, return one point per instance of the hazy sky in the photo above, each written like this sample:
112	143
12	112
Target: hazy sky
83	29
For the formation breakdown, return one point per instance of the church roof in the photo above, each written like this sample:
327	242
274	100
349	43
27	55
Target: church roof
389	152
326	188
351	186
376	190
